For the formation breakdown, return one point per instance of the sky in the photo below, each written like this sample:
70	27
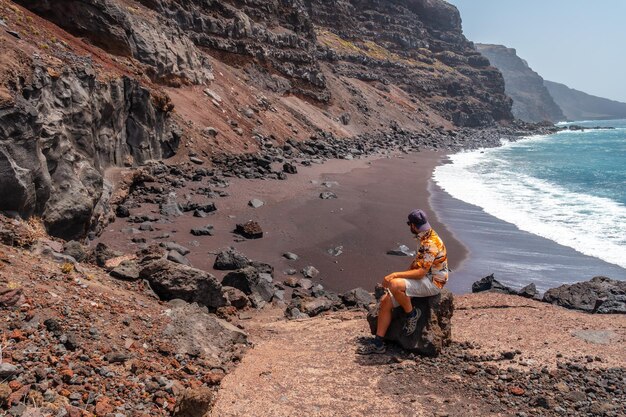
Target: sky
580	43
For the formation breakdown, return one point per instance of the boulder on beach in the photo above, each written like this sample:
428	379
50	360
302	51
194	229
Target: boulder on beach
599	295
434	329
489	283
249	230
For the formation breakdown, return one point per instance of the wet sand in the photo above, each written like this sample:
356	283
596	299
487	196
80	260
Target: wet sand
367	219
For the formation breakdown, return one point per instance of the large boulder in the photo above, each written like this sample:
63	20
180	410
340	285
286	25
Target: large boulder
434	329
249	281
193	331
600	295
170	280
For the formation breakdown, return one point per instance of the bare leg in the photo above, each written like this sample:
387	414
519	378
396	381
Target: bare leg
384	315
398	289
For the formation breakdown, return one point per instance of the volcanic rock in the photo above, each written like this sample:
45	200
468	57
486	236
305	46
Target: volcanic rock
434	328
249	230
203	231
489	283
170	280
75	250
175	246
196	333
310	271
236	297
402	250
175	256
327	195
230	260
126	270
248	280
599	295
255	203
11	297
357	297
194	402
529	291
290	168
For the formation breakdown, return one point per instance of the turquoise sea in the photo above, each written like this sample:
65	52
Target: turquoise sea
546	209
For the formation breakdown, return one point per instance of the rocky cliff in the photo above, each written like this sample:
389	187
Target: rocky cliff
531	100
92	85
578	105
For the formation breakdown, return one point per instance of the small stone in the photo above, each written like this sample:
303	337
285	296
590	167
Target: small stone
291	256
336	251
255	203
203	231
116	357
196	160
401	250
310	271
8	371
249	230
327	195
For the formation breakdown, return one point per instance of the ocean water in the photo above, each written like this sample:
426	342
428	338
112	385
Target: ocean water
557	197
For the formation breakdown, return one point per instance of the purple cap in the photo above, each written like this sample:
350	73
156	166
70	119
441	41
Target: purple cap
418	218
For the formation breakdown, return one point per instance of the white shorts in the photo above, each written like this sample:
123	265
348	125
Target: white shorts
417	288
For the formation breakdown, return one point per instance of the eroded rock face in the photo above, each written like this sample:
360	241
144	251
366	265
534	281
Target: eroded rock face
62	132
169	55
434	329
531	100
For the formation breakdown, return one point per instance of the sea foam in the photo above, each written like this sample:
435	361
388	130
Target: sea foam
591	225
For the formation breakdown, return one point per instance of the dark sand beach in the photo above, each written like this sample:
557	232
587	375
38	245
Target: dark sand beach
367	219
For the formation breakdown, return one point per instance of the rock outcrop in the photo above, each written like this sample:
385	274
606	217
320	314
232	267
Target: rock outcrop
600	295
531	100
578	105
63	131
434	329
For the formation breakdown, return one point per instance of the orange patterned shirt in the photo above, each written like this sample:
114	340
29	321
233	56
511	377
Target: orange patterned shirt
432	256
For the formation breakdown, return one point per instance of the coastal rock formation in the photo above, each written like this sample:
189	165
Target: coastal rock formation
600	295
434	329
577	105
531	100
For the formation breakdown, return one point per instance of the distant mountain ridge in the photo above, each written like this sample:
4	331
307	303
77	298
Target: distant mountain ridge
577	105
531	100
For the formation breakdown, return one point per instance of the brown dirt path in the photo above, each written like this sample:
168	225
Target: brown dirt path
309	367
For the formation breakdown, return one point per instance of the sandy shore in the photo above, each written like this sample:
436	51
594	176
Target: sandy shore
367	219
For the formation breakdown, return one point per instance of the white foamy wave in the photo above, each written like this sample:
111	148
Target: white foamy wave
591	225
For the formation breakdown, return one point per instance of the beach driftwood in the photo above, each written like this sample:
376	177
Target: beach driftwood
434	329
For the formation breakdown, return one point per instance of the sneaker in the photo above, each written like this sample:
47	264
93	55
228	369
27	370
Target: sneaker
411	323
371	349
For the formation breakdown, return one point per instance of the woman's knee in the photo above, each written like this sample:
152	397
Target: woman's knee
397	285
